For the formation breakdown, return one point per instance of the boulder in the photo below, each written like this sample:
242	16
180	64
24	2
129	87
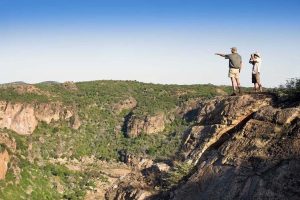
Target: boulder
162	167
147	125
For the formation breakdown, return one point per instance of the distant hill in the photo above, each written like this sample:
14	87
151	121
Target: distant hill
14	83
49	82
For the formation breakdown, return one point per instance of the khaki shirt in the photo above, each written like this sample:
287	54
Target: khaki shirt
235	60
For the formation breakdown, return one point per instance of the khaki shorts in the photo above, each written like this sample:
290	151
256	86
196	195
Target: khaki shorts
234	73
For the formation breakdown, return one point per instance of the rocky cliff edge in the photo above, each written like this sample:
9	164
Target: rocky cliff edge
23	118
242	147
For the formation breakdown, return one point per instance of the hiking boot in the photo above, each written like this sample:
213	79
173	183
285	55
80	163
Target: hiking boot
233	94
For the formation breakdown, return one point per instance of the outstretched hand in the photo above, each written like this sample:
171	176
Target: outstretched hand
220	54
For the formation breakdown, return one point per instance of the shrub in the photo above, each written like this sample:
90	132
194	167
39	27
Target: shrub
176	174
290	91
2	148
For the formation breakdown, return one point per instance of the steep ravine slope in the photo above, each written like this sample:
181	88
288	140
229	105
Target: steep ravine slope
238	148
67	141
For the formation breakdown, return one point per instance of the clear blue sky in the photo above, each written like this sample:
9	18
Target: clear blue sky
160	41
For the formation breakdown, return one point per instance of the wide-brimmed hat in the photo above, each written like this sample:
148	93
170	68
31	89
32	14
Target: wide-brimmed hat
233	48
256	53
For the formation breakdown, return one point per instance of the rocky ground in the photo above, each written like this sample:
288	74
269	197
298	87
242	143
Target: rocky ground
243	147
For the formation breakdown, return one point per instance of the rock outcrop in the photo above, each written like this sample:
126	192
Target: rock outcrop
10	143
131	186
246	149
127	104
148	125
240	147
8	148
4	159
215	118
70	85
23	118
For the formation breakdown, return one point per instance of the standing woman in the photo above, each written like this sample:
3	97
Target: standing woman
255	60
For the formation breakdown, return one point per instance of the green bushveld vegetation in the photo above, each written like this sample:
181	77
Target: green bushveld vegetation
12	96
33	184
97	135
290	90
175	175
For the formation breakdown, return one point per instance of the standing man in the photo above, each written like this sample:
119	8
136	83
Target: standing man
235	65
255	60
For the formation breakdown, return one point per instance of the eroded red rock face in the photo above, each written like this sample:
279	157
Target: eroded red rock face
23	118
4	159
148	125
